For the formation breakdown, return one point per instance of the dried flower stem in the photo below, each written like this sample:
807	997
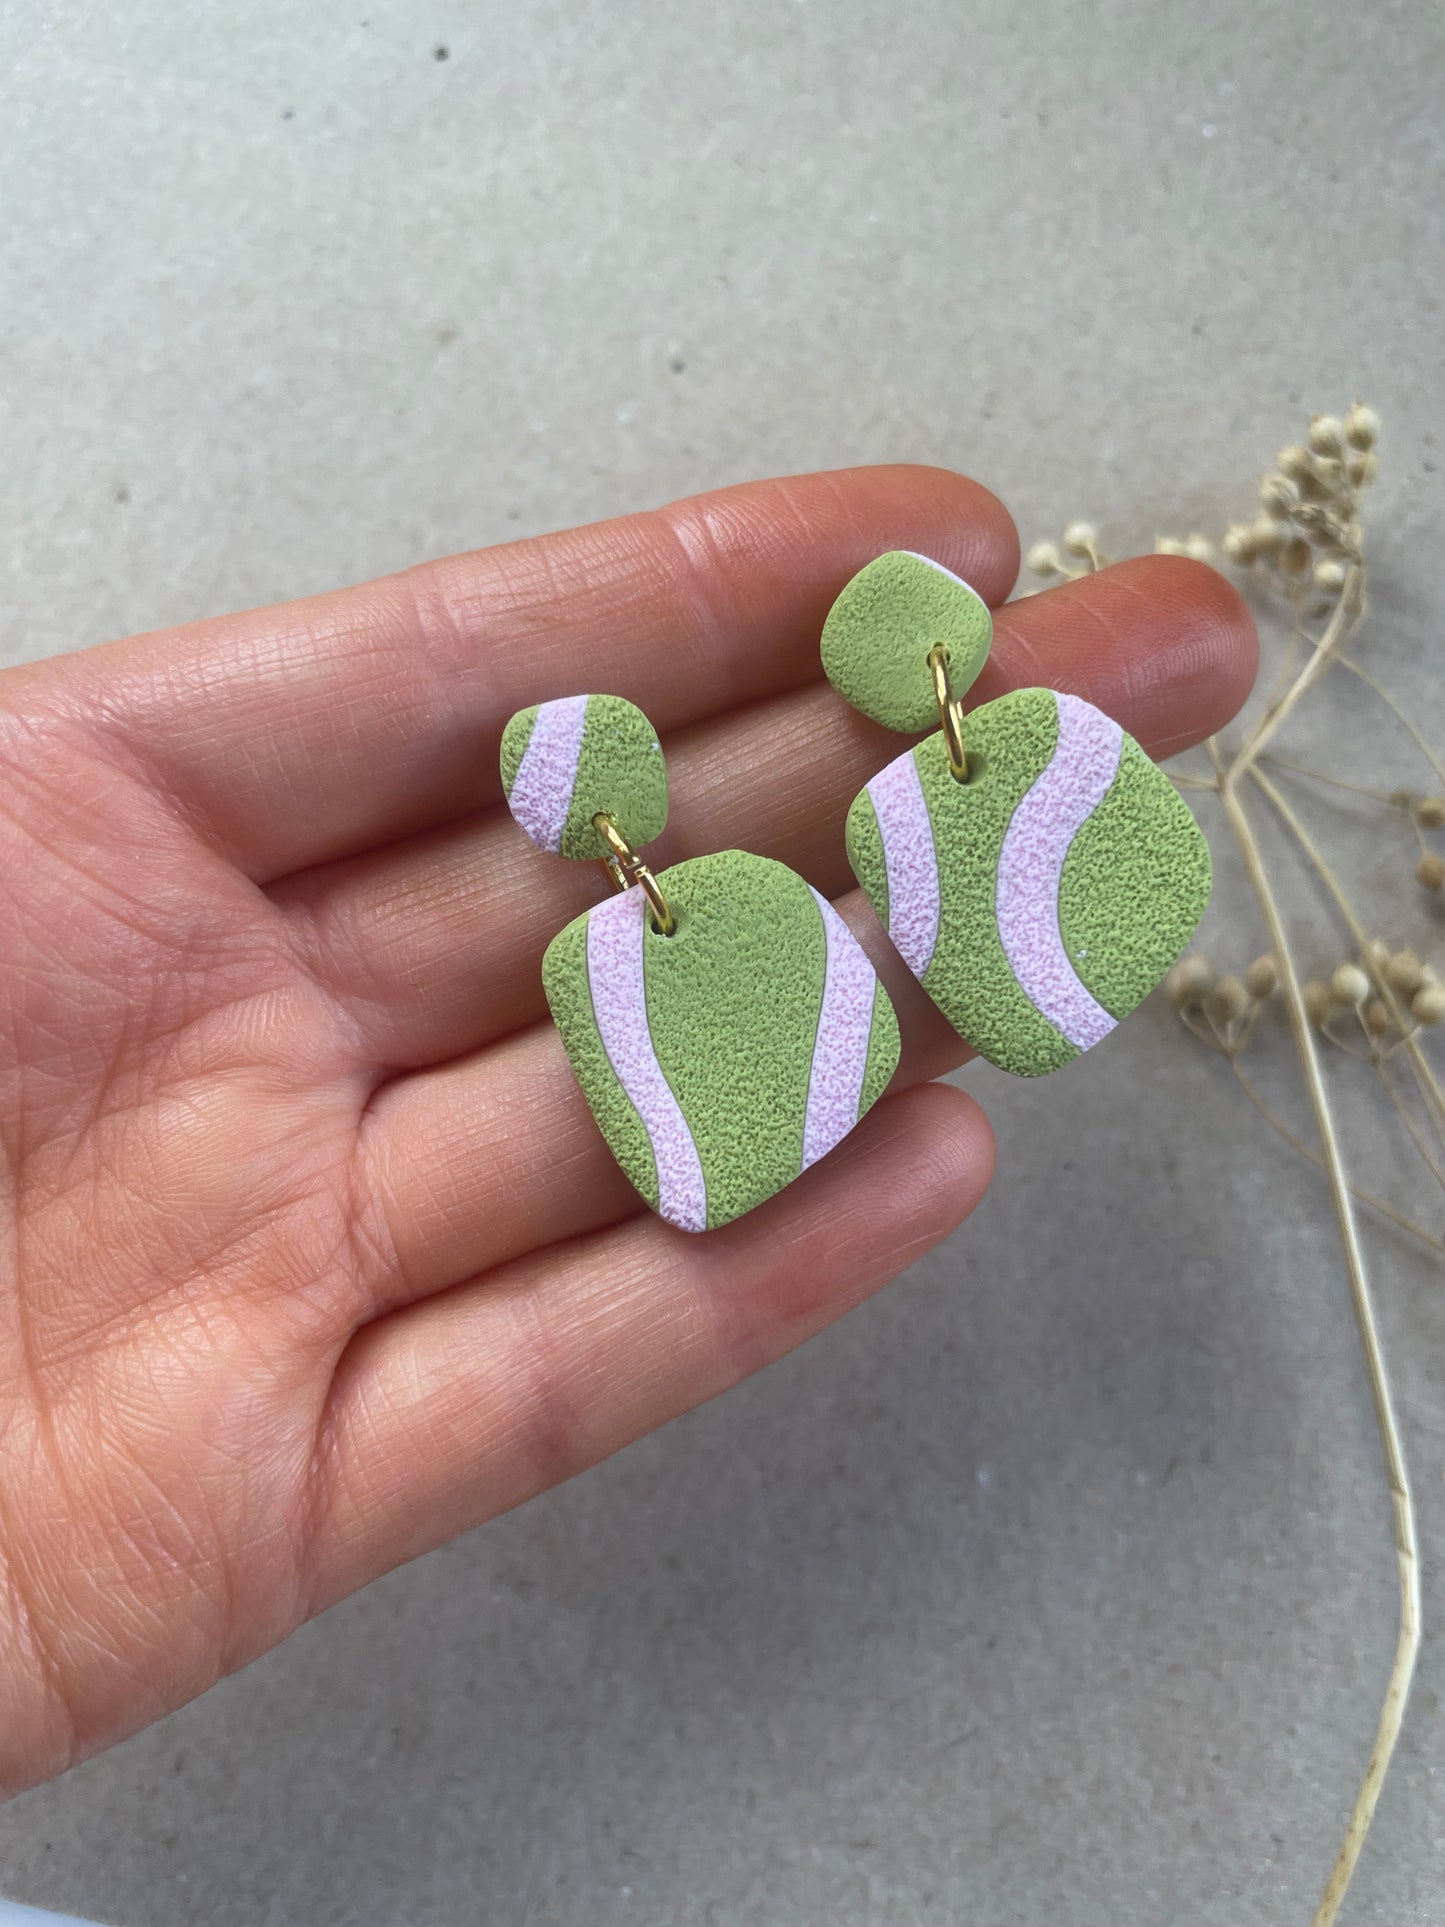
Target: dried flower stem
1286	670
1407	1646
1427	1156
1323	776
1230	1049
1360	1054
1277	1124
1305	548
1348	662
1182	781
1341	626
1410	1040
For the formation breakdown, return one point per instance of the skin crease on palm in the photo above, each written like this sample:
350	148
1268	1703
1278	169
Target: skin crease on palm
314	1255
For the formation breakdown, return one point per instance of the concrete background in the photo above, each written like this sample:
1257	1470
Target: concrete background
1055	1585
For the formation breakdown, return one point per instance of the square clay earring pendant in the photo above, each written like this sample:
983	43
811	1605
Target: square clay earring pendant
1039	880
1041	899
722	1060
724	1023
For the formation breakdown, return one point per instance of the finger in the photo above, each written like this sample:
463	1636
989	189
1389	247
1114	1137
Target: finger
497	1154
298	733
434	943
452	1411
1169	642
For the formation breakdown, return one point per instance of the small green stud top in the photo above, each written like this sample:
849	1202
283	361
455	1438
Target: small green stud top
565	762
879	632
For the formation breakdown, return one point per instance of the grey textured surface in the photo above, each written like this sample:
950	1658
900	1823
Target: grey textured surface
1056	1584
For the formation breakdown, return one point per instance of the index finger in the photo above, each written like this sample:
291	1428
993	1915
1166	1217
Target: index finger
319	728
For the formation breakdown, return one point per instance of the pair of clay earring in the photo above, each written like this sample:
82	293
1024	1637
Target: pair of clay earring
1032	867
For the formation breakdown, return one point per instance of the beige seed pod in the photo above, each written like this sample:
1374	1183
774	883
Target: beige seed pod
1329	473
1261	979
1044	559
1323	527
1278	497
1362	469
1430	812
1269	537
1362	426
1377	1018
1199	548
1313	489
1227	1002
1189	982
1081	538
1404	972
1327	435
1330	576
1311	518
1428	1005
1169	545
1295	462
1380	952
1239	544
1296	556
1318	1002
1350	985
1430	871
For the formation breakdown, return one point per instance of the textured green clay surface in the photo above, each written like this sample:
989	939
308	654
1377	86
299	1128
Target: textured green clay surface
1134	881
879	631
970	978
733	999
1135	884
865	853
620	771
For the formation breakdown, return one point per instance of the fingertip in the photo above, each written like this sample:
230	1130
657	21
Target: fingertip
1163	643
954	1153
906	1177
956	521
1214	625
1205	654
774	554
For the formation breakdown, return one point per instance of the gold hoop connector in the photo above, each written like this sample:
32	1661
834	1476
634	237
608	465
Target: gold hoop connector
625	866
950	712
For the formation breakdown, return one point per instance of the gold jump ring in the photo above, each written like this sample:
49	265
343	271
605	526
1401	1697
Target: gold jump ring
625	866
950	711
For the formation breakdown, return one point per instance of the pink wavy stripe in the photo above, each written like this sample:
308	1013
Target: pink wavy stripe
1063	796
616	933
840	1050
912	863
542	794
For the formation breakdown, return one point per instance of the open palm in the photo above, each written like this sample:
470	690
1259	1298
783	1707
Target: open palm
314	1256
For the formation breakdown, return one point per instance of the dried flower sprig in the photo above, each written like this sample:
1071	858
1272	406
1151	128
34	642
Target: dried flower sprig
1223	1010
1380	1002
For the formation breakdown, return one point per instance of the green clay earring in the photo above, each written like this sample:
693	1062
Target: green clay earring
1038	878
723	1022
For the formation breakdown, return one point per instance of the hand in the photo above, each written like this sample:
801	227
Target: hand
316	1257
